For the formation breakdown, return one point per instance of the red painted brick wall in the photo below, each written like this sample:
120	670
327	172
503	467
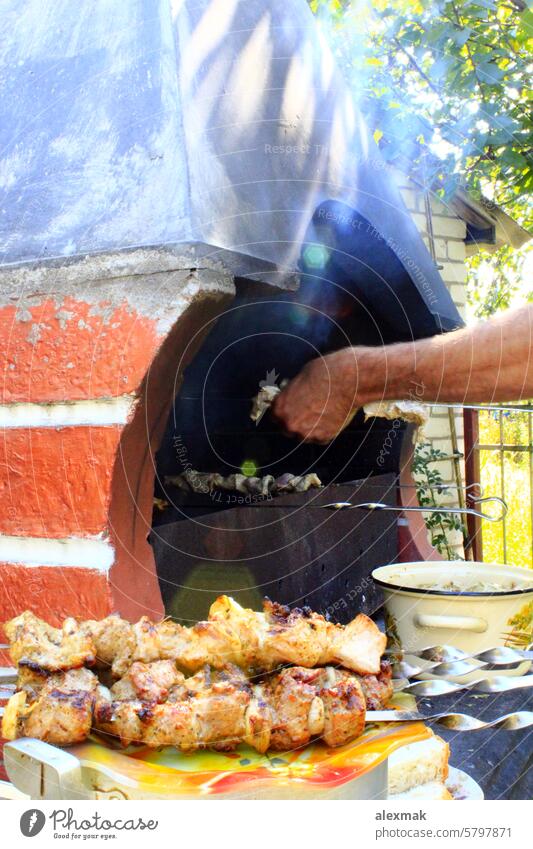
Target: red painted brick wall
90	481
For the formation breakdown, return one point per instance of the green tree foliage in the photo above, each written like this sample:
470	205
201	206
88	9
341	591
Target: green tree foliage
449	78
496	280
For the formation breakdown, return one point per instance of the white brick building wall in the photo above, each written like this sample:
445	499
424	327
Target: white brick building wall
449	232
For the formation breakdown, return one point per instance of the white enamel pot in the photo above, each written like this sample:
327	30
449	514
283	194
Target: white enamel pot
417	617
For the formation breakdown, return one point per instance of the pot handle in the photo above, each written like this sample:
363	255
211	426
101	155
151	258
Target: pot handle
458	623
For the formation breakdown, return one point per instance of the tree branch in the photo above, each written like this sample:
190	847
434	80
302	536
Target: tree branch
416	67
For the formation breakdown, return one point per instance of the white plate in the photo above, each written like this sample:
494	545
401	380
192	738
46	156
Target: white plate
9	791
462	786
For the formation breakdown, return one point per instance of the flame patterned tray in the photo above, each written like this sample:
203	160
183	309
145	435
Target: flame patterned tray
99	769
165	772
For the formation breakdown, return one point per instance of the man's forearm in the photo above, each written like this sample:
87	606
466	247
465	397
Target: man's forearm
490	361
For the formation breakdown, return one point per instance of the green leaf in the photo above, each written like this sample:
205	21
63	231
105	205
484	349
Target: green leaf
489	72
461	36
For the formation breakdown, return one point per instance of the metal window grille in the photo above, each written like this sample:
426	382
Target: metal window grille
499	454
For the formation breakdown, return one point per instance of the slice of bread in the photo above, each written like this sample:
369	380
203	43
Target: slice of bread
432	790
418	764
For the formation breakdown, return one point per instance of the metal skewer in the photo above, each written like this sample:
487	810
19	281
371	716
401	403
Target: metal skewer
456	668
444	488
422	688
462	511
435	687
455	721
497	656
447	660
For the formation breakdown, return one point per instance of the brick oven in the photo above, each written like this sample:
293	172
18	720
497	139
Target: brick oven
163	166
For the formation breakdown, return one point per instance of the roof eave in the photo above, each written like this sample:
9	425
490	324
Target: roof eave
494	227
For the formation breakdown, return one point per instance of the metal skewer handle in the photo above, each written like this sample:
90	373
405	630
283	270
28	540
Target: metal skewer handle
458	511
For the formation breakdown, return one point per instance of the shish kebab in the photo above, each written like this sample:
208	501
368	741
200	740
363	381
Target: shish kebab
155	705
232	634
60	700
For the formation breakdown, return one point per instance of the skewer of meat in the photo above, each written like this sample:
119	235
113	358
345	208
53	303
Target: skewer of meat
231	635
206	482
157	706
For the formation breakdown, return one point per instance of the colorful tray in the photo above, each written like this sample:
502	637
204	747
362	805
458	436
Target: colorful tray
100	769
166	772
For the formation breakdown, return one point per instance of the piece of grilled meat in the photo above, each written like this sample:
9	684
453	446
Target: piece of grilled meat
378	689
56	707
151	682
36	644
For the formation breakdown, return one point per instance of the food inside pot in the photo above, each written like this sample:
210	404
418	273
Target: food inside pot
476	587
469	585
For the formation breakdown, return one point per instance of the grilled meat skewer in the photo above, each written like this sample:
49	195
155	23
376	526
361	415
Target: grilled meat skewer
206	482
285	712
251	640
156	705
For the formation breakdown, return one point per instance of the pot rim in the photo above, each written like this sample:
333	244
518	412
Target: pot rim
403	588
448	593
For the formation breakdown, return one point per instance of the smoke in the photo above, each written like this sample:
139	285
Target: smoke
361	35
347	31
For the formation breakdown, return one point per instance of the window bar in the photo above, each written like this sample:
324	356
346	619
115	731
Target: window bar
502	485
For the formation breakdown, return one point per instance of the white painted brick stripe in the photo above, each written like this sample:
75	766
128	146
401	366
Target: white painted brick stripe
99	411
96	554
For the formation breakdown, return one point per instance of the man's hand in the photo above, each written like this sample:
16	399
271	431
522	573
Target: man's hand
322	398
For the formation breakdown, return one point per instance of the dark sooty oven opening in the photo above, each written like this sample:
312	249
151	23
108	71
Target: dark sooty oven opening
354	290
